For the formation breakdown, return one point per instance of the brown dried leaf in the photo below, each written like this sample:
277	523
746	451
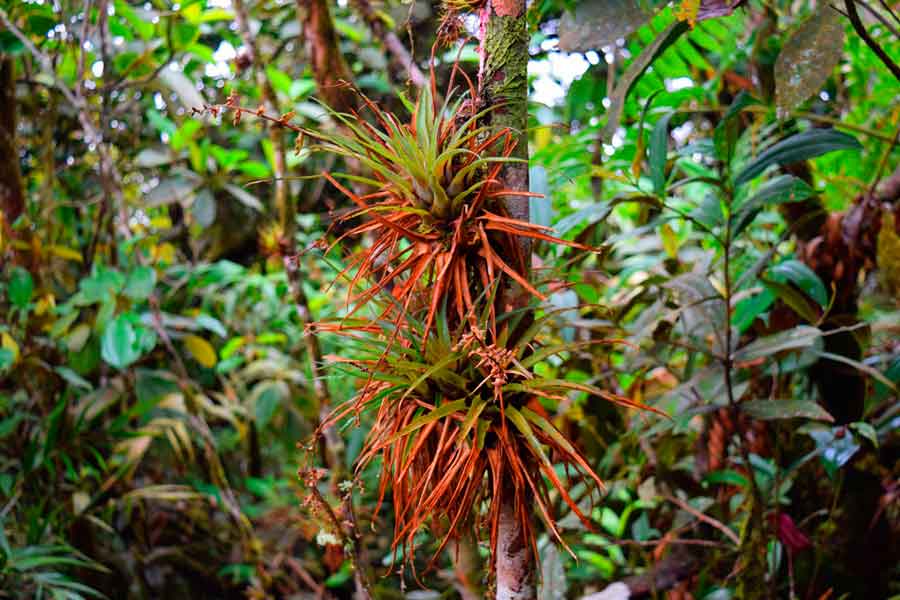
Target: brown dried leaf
808	58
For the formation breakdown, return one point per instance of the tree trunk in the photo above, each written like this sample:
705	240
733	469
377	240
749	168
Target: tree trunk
503	82
333	78
12	196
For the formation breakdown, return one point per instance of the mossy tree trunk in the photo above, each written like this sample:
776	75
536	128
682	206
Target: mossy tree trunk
503	83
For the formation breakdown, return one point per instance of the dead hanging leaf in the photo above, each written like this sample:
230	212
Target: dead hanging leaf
593	25
808	58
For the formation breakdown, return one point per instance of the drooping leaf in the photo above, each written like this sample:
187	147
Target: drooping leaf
779	190
785	409
659	145
802	146
808	58
803	277
797	338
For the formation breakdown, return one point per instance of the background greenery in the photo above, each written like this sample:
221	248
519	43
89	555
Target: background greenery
155	372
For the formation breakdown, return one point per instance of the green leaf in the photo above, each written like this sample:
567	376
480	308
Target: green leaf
803	277
20	287
779	190
808	58
267	396
140	282
768	410
865	430
142	26
794	299
125	340
659	145
802	146
798	338
665	39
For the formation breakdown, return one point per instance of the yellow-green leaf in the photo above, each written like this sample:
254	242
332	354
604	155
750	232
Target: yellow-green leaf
201	350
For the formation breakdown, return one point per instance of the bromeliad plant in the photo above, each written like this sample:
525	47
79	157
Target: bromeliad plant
435	213
447	361
460	422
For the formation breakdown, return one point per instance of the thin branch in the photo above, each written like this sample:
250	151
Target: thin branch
869	40
731	535
391	42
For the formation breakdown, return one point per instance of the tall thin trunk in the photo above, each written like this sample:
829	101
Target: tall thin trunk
503	82
333	77
12	196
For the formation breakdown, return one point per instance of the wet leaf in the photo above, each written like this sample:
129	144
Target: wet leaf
808	58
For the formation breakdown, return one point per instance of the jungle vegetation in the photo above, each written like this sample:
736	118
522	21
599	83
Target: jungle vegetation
463	298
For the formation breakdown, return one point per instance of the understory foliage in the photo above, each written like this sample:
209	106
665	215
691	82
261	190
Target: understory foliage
203	265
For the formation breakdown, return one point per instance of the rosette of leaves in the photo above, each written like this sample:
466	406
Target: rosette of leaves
434	211
461	423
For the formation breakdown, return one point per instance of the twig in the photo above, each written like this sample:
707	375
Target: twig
391	42
705	518
869	40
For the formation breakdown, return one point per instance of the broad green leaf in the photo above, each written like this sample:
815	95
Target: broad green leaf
803	277
802	146
140	282
794	299
266	398
808	58
101	286
141	25
779	190
767	410
593	25
20	287
797	338
125	340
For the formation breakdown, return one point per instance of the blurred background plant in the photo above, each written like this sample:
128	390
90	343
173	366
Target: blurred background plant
159	272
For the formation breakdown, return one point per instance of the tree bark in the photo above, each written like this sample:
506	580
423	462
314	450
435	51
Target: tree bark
333	77
12	195
503	83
